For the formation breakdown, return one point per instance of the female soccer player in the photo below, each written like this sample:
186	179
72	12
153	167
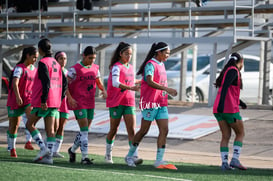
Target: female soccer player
82	80
121	97
226	110
50	85
63	110
19	96
154	102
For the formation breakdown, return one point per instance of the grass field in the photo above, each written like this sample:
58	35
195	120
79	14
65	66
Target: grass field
22	168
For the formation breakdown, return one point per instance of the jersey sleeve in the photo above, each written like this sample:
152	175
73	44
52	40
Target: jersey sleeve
98	74
17	72
72	73
115	76
148	70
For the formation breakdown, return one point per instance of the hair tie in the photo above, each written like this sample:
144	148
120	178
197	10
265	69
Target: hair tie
60	54
126	47
161	48
234	57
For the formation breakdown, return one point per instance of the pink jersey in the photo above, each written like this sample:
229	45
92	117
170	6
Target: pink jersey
117	96
24	86
150	97
83	88
64	108
55	89
232	100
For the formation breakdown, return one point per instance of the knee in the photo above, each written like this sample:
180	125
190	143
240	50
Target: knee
113	130
226	137
164	131
241	134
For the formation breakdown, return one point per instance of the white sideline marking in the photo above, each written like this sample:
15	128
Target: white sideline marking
117	173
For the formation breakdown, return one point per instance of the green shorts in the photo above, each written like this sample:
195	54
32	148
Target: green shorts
117	112
57	116
17	112
228	117
64	115
155	113
84	113
50	112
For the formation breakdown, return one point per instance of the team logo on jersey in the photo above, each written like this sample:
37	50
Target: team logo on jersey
164	93
89	87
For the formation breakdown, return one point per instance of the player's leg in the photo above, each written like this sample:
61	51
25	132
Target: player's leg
238	128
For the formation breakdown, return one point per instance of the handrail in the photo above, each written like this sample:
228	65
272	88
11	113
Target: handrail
115	23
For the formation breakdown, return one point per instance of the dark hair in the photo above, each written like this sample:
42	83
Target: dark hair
116	55
156	47
89	51
26	51
233	60
45	46
56	56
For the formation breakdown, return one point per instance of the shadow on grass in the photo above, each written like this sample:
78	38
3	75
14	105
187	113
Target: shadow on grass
120	166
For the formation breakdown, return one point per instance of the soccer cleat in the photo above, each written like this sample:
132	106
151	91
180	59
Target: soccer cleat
137	161
235	163
29	146
13	153
108	159
43	152
130	161
225	167
46	160
57	155
72	156
164	165
87	161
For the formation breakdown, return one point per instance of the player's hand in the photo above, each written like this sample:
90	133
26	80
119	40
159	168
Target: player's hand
135	88
104	94
44	106
72	103
243	105
171	91
19	101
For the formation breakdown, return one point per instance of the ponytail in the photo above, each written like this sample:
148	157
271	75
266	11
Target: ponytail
116	55
156	47
233	60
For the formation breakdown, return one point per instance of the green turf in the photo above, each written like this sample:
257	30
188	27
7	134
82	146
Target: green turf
22	168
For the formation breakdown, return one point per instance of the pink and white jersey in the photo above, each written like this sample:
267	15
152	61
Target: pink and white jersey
117	96
25	87
83	87
232	99
55	88
64	107
150	97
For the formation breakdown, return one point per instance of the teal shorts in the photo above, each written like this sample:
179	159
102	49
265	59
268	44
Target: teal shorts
84	113
228	117
17	112
155	113
50	112
117	112
64	115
